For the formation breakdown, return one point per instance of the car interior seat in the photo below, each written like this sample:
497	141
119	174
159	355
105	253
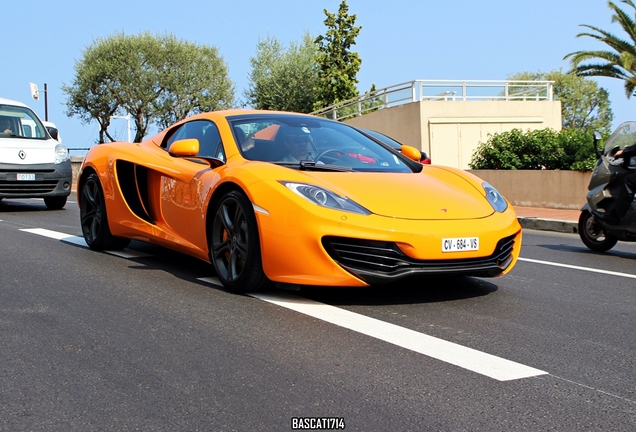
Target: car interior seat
209	144
239	134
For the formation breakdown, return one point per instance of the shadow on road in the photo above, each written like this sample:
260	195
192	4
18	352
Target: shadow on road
421	290
34	205
582	249
429	290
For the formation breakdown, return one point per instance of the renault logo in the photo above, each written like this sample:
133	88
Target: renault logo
22	154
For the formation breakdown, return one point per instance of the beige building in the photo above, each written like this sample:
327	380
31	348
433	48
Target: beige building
449	124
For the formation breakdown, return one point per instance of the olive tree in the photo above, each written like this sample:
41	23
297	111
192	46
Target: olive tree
283	78
196	80
155	79
584	104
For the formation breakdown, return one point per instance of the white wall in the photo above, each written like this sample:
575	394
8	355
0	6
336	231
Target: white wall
450	131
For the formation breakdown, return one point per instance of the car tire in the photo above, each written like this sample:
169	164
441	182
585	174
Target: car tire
55	203
235	250
93	218
593	235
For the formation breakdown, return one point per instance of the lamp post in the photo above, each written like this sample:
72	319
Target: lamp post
127	118
35	94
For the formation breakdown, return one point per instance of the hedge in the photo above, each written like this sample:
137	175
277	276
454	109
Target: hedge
569	149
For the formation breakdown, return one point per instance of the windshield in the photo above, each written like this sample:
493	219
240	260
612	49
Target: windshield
623	136
288	139
384	138
20	122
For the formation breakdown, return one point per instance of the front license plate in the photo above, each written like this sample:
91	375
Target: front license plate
25	176
460	244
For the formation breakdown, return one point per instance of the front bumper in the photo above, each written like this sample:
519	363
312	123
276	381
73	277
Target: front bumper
378	262
337	249
50	180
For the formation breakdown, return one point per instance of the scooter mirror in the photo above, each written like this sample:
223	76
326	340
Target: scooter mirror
597	138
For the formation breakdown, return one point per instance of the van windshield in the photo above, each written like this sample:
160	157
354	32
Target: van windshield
20	122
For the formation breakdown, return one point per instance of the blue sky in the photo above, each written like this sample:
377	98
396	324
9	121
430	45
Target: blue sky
400	40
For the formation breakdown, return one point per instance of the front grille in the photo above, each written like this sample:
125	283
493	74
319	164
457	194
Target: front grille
377	261
13	187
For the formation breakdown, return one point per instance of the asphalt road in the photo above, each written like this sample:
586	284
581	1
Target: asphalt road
147	341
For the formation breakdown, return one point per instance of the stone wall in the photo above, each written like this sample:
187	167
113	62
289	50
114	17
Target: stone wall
76	162
537	188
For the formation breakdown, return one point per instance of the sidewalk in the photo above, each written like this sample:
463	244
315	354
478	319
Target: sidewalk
548	219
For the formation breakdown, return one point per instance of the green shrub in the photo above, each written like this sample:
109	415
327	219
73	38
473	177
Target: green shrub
570	149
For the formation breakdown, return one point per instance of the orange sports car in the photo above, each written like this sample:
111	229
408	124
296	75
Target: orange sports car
270	196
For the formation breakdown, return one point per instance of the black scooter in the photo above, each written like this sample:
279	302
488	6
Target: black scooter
605	183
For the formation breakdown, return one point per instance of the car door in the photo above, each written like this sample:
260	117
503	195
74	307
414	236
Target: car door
183	197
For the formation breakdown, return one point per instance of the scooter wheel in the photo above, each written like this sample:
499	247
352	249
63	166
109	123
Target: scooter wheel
593	235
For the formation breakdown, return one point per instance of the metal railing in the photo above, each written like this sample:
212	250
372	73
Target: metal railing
439	90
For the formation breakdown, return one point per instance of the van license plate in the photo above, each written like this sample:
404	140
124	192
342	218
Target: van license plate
25	176
460	244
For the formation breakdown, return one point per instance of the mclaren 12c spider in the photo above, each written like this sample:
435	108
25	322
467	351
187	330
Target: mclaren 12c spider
281	197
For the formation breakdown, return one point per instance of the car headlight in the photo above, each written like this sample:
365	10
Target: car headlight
325	198
496	200
61	153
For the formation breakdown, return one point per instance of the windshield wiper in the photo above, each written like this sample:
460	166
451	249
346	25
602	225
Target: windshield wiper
307	165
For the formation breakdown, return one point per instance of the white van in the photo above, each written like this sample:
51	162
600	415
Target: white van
33	163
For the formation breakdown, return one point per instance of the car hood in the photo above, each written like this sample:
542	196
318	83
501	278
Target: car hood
431	194
34	151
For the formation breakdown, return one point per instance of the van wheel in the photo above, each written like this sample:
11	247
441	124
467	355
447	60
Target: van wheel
593	235
55	203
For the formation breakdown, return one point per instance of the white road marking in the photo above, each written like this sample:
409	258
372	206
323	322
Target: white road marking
211	280
588	269
449	352
48	233
79	241
128	253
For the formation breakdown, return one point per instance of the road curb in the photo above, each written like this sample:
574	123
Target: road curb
549	225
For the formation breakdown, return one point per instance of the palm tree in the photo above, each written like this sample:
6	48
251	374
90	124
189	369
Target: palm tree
620	61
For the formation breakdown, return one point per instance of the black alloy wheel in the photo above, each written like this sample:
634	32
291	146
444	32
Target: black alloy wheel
234	244
593	234
93	217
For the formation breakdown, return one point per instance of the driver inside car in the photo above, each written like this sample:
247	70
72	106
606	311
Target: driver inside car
5	126
298	143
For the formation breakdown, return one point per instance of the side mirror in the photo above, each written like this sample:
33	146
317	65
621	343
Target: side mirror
53	132
411	153
185	148
597	138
